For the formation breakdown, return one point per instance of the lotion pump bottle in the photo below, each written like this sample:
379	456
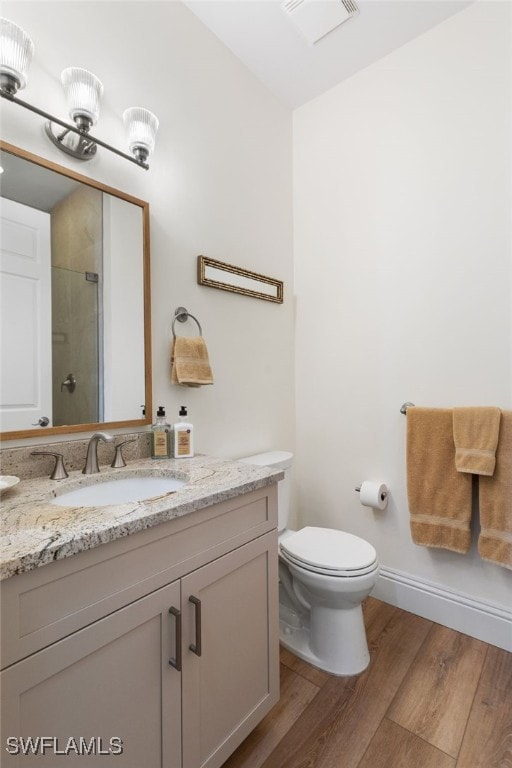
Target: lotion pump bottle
183	437
161	436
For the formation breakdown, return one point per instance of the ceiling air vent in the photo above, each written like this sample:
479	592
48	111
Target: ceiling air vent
315	18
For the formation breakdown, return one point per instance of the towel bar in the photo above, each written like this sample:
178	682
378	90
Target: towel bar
405	406
182	315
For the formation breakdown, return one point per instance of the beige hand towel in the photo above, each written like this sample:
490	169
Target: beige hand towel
439	496
475	432
190	365
495	540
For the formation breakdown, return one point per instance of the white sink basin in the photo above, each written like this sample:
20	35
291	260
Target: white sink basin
118	491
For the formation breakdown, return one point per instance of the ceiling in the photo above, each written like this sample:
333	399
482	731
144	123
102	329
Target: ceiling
262	35
33	185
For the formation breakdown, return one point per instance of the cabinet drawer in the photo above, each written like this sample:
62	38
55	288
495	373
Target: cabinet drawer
49	603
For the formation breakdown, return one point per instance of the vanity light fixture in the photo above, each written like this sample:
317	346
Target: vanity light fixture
83	92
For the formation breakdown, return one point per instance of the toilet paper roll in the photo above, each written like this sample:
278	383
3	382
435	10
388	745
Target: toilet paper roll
373	494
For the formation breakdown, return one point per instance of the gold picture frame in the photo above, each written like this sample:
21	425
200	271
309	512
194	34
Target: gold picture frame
218	274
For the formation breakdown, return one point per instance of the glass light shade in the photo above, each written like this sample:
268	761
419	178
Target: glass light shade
16	51
83	92
141	127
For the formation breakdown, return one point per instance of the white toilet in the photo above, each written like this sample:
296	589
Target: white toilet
324	575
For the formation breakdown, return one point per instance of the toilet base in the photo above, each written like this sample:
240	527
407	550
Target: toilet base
294	635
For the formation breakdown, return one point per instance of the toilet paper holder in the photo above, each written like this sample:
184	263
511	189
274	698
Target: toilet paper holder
383	495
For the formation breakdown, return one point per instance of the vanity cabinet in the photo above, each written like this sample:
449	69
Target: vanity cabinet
228	687
109	681
176	677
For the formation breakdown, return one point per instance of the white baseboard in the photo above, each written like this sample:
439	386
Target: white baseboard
477	618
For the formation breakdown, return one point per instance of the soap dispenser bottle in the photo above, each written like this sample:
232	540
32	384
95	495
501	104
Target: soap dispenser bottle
161	436
183	437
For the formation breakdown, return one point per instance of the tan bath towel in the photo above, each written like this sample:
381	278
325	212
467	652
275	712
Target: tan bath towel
495	540
190	365
439	496
475	432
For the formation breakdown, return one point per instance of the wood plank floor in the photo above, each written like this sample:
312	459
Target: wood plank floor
431	698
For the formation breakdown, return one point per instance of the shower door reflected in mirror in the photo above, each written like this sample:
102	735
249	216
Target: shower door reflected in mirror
76	341
77	276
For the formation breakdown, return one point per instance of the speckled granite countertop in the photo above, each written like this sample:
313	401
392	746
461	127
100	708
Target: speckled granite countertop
35	532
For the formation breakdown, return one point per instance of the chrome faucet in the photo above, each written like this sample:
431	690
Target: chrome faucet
91	462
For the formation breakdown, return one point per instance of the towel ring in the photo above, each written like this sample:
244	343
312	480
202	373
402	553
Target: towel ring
182	315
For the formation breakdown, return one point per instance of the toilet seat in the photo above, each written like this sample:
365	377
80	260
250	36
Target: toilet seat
330	552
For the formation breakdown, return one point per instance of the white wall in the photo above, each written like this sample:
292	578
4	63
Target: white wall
402	191
123	308
402	242
219	185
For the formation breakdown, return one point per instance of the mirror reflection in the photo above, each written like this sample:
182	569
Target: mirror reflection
74	271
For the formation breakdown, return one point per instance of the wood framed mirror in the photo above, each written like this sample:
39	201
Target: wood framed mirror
75	331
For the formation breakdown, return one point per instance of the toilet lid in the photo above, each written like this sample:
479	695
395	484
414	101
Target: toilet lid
326	549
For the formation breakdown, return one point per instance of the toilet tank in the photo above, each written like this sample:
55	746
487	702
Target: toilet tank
277	460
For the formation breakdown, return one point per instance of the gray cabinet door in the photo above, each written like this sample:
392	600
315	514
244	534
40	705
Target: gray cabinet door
105	695
235	681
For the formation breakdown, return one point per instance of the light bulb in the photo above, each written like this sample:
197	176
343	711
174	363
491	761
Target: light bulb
16	52
83	92
141	127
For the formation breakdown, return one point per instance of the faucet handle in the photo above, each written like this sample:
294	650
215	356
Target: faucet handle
119	458
59	470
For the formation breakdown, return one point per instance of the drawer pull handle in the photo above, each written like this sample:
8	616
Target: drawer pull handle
176	663
196	647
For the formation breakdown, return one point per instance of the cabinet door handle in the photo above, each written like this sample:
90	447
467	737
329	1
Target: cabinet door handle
196	647
176	663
